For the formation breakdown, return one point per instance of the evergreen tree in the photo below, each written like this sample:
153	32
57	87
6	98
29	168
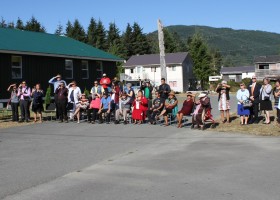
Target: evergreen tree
34	25
3	23
180	45
100	36
169	42
69	29
114	43
91	32
78	32
11	25
59	30
127	40
140	43
48	96
19	24
199	52
216	61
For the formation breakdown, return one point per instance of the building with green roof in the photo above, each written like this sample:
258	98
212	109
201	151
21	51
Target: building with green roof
36	57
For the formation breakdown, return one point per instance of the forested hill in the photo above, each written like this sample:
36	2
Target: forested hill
238	47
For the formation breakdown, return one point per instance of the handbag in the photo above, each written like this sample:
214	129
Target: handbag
266	98
247	104
70	106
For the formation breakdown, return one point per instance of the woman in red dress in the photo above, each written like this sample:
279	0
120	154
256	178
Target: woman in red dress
140	106
186	109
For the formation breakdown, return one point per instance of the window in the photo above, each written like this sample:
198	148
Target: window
138	70
172	68
99	69
84	69
131	71
265	66
153	69
69	69
16	67
173	83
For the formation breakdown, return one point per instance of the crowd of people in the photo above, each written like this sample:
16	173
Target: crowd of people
109	100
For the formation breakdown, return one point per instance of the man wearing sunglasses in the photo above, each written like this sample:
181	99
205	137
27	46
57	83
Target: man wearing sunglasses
254	90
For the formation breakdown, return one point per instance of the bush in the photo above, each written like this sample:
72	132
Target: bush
48	96
86	92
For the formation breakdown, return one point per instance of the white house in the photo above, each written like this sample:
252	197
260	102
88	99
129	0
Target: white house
179	68
237	73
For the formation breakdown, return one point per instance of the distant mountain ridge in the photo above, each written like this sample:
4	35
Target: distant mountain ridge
238	47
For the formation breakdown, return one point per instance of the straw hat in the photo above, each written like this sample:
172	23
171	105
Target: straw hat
201	95
172	93
190	94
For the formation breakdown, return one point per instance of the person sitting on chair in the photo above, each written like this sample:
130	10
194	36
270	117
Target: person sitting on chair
105	108
156	108
94	108
124	108
186	109
83	104
201	104
170	104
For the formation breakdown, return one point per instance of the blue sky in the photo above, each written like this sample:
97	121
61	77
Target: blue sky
236	14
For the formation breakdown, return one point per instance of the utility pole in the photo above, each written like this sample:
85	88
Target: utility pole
162	51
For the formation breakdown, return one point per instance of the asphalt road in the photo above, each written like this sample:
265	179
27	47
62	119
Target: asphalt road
54	161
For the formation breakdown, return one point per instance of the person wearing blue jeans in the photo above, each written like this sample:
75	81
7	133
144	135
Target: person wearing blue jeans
105	108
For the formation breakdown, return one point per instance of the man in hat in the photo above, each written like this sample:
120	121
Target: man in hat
171	107
105	82
55	81
124	108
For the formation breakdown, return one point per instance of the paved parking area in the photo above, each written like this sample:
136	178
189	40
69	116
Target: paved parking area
84	161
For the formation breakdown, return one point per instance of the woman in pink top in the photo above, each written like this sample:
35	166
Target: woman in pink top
94	106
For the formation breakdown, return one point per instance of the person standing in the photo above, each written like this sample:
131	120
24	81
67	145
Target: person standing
148	89
24	96
62	99
130	92
254	90
164	89
115	95
96	90
140	106
265	99
105	82
14	101
276	93
74	95
37	105
242	96
223	99
55	81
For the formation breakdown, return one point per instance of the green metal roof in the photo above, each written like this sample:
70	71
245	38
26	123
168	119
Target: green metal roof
27	42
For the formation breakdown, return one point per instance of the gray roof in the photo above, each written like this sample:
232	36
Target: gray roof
267	59
237	70
154	59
